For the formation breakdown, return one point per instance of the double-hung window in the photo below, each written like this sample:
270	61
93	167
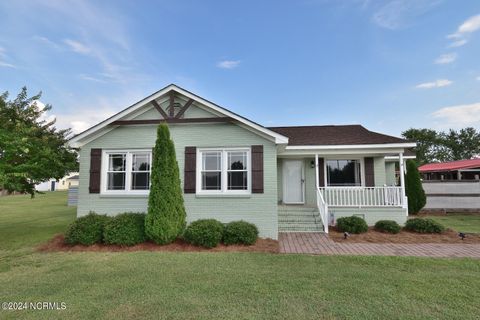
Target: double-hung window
127	171
223	171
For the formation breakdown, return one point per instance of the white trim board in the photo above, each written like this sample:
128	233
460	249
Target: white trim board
354	146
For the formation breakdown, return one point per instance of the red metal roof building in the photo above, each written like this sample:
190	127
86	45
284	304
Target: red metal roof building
455	170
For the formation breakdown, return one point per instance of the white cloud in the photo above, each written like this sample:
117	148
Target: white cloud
458	43
87	111
79	122
396	14
469	26
3	57
458	116
446	58
79	126
228	64
46	41
77	46
6	64
90	78
45	116
434	84
478	78
39	104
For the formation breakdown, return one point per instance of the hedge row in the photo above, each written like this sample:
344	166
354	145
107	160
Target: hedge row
355	224
124	229
129	229
209	233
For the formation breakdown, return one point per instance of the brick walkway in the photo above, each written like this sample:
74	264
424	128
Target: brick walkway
320	243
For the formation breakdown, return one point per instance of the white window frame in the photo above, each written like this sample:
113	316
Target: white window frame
128	171
224	172
362	171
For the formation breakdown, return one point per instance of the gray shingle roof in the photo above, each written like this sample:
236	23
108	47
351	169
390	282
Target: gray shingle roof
334	135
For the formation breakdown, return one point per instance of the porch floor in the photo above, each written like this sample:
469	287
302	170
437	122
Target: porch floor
320	243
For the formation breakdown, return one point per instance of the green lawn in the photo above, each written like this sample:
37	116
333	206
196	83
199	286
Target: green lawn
156	285
461	223
25	221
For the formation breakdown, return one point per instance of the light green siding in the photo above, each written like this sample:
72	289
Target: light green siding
310	193
390	173
371	215
260	209
150	114
280	180
379	171
196	112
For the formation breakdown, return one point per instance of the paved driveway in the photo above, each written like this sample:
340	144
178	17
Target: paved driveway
320	243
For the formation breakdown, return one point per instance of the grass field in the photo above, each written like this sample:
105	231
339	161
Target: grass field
161	285
461	223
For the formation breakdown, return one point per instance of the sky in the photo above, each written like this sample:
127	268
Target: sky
388	65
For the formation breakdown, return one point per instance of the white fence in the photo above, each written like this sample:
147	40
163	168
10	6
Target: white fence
363	196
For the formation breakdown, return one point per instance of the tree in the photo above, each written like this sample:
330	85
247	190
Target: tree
32	149
433	146
165	219
464	144
413	188
428	143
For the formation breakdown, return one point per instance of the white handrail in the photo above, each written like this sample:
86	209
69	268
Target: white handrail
322	210
362	196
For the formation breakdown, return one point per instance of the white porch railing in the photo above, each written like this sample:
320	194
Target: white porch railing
322	210
363	196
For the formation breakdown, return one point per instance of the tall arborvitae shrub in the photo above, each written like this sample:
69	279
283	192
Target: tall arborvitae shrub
413	188
165	219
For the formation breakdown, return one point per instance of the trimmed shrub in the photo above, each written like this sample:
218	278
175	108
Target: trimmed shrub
86	230
165	219
125	229
413	188
352	224
205	232
240	232
389	226
424	226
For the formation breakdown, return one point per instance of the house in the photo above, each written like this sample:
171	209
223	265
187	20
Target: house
70	180
452	186
280	178
454	170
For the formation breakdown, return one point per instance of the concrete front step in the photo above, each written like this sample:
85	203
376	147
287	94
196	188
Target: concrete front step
298	219
309	228
296	208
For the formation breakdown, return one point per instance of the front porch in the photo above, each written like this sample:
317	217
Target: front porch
319	188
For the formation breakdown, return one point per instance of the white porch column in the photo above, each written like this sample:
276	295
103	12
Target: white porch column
402	178
317	182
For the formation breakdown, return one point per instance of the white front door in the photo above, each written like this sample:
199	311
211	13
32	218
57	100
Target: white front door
293	181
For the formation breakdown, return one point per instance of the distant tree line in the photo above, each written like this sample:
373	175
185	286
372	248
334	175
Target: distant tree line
442	146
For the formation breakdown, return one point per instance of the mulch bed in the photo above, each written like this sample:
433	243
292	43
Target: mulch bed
56	244
373	236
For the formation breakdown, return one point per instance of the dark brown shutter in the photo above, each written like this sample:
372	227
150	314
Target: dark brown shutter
190	171
369	175
257	169
321	172
95	168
